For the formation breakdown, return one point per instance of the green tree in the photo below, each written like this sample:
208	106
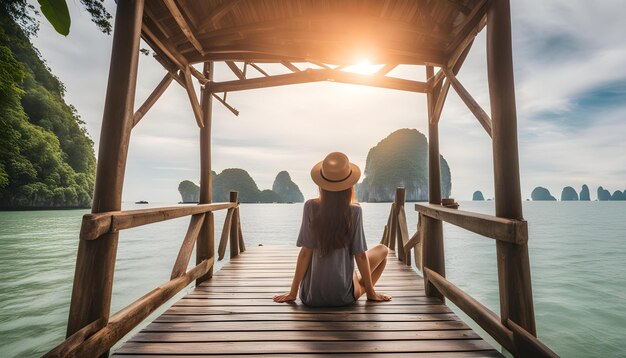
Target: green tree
46	156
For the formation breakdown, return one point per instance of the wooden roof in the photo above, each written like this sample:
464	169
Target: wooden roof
336	32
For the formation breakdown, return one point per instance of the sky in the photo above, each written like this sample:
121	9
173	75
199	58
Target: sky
570	73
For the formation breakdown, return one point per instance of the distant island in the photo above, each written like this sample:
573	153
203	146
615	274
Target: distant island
478	196
541	194
284	190
570	194
400	159
47	159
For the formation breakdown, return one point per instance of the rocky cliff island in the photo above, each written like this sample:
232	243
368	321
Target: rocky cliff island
478	196
541	194
401	159
239	180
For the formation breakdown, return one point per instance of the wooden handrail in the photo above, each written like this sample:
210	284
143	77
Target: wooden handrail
509	230
127	318
511	336
527	345
485	318
95	225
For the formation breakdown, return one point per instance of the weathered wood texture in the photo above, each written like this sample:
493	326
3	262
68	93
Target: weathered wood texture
205	245
432	245
95	263
516	299
233	313
98	224
508	230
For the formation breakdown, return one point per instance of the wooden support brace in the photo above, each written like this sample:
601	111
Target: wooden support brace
223	101
242	244
184	254
195	105
221	250
233	67
258	68
290	66
469	101
152	98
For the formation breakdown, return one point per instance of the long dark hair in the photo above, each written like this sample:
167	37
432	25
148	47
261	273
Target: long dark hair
332	222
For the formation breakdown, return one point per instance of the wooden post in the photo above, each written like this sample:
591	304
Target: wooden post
95	261
234	227
432	247
516	302
399	201
205	245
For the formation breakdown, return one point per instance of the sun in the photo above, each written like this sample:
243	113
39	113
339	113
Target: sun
364	67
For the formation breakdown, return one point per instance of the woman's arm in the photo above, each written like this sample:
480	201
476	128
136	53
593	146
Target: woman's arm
304	259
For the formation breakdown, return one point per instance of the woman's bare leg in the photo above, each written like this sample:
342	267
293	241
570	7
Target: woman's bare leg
377	257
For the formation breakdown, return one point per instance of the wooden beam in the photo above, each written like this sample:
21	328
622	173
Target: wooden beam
445	87
256	67
221	250
476	22
516	299
214	17
164	47
482	315
290	66
152	98
184	26
233	67
228	106
205	245
97	224
242	244
234	226
386	69
184	254
501	229
469	101
195	105
95	260
402	231
317	75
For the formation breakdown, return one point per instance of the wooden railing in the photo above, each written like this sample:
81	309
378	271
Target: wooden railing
99	336
509	334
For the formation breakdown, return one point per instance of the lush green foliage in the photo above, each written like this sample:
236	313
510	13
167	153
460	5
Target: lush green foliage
24	14
46	157
400	159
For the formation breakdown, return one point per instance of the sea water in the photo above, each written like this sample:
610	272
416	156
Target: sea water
577	257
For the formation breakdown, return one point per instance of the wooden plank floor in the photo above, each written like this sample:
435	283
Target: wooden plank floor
233	314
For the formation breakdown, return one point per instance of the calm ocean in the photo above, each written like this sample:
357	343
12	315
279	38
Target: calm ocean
577	254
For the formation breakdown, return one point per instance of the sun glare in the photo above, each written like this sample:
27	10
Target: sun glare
364	67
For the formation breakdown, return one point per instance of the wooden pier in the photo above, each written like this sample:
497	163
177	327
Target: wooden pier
233	314
310	41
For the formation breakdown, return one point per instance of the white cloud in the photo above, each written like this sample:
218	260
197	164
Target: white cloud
290	128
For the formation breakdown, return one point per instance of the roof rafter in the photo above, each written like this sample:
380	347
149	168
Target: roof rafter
184	26
318	75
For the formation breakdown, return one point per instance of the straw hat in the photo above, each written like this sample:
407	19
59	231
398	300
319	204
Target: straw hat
335	172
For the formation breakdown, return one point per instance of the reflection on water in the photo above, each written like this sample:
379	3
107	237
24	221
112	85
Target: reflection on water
576	253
